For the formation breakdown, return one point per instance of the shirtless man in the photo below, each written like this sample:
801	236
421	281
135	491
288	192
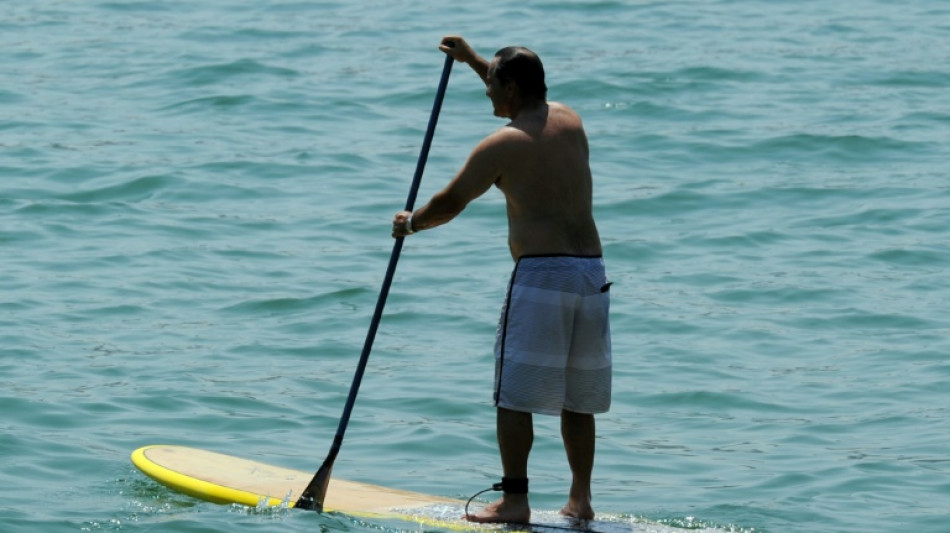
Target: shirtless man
553	343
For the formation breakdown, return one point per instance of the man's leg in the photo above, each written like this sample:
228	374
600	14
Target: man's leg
577	430
515	436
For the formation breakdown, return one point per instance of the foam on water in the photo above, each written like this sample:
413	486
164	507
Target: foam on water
544	521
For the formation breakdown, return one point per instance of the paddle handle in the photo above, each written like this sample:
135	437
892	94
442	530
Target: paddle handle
313	496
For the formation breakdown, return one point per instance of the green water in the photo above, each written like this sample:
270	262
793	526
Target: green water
194	218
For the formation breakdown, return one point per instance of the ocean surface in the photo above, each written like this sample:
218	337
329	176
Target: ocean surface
195	208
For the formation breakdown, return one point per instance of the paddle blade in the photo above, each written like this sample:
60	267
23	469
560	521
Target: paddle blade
316	492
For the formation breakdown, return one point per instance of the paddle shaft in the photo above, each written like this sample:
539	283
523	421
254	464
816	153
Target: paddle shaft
313	496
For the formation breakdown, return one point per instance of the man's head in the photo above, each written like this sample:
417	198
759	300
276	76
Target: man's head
515	79
518	65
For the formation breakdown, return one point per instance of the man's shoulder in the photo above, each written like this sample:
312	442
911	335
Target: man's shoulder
507	135
563	111
500	147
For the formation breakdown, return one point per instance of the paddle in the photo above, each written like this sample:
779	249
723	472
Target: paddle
315	493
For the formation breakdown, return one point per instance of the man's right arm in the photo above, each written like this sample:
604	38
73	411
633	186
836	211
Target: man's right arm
480	172
461	51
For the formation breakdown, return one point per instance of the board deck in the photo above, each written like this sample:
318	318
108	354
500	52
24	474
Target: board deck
226	479
221	478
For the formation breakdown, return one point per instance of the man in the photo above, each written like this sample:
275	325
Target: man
552	348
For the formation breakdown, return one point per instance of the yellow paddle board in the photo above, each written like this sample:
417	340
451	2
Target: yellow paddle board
225	479
220	478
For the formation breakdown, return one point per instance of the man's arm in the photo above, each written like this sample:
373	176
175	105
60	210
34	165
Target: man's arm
462	52
479	173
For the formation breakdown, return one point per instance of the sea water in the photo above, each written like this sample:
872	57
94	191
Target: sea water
194	214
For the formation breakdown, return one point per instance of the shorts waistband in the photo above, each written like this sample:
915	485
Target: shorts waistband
572	256
559	263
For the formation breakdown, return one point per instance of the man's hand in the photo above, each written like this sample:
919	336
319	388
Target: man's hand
455	46
401	224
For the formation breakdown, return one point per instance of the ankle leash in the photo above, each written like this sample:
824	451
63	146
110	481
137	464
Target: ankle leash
507	485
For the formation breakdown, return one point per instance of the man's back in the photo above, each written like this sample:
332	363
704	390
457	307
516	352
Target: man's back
546	179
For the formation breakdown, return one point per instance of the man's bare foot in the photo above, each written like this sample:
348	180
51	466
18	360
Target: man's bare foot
511	509
580	511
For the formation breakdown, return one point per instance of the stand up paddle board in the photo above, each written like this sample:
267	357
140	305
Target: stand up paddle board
225	479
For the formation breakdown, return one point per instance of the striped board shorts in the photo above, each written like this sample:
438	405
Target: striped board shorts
552	346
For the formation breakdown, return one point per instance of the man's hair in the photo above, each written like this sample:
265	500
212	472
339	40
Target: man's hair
523	67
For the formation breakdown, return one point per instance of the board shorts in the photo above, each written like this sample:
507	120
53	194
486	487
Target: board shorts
552	346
